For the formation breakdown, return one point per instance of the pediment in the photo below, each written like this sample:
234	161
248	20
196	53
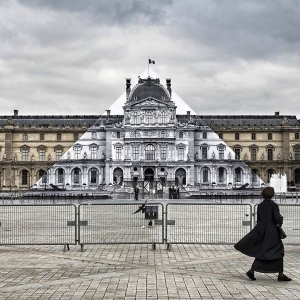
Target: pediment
150	102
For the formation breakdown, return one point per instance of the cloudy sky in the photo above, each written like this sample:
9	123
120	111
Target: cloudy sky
224	56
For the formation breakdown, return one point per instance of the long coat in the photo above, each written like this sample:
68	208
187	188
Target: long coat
263	241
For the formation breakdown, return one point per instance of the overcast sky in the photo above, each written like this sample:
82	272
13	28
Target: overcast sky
69	57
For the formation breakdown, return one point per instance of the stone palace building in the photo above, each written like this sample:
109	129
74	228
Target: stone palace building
151	146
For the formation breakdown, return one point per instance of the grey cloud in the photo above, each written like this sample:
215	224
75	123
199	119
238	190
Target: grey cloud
112	12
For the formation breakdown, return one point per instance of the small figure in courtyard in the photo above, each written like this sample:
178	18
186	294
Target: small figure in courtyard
264	242
176	192
171	192
136	193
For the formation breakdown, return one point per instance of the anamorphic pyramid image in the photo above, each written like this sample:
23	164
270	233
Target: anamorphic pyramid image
150	139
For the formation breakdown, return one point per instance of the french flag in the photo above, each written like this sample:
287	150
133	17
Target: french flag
151	61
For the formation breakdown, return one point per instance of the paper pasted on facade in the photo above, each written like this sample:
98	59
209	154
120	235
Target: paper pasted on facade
149	146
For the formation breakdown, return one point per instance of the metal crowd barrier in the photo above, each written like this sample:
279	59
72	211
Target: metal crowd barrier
198	223
38	224
291	222
119	224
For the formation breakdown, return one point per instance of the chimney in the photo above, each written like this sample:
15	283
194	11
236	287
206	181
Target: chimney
168	82
276	113
16	112
108	112
128	89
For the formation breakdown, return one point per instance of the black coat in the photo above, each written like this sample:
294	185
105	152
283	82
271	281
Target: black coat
263	241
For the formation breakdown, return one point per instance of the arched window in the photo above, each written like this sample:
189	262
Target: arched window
93	176
150	152
60	175
76	175
254	175
270	172
24	177
297	176
205	174
42	174
238	175
221	175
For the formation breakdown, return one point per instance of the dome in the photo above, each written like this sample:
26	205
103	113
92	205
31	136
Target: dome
149	88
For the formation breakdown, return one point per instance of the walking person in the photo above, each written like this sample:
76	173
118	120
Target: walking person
136	193
263	242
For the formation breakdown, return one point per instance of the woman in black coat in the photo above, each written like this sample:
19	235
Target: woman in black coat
264	242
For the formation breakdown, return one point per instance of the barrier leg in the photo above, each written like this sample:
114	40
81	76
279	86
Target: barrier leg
66	246
153	246
169	247
81	247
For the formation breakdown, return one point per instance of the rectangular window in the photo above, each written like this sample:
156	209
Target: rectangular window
118	152
221	135
237	136
93	153
24	177
221	174
253	136
163	152
180	153
204	153
93	176
238	175
58	154
297	136
270	154
42	136
253	154
135	152
270	136
24	154
25	136
60	178
94	135
221	153
58	136
42	154
77	152
237	152
205	175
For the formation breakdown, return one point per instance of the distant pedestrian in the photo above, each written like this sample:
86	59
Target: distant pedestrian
263	242
136	193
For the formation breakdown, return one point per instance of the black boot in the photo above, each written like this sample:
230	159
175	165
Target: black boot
250	274
283	278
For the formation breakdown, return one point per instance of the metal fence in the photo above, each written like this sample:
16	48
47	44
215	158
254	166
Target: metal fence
119	224
193	223
38	224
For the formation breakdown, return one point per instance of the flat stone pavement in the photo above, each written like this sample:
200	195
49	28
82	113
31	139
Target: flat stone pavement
137	272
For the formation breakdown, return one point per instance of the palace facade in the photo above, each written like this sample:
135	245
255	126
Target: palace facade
150	146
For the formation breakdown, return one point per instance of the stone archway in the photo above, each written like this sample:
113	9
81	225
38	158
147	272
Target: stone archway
118	176
180	177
